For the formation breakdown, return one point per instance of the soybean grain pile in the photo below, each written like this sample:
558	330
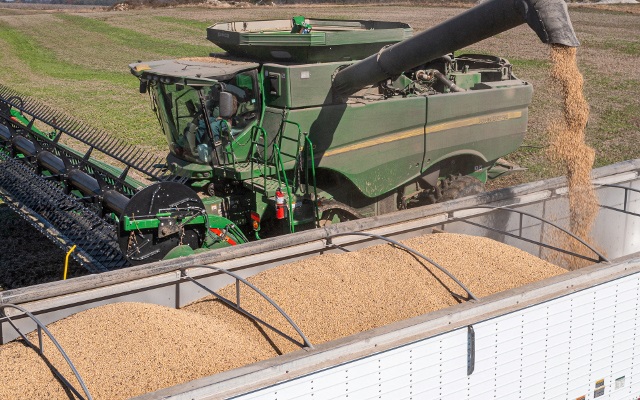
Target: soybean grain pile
127	349
569	149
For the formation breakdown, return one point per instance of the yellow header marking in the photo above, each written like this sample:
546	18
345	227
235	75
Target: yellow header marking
142	67
485	119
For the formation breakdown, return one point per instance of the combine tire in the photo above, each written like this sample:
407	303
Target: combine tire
210	189
455	187
332	212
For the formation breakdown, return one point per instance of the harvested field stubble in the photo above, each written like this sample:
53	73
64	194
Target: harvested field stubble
126	349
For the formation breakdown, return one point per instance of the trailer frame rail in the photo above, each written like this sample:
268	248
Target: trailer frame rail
601	257
236	306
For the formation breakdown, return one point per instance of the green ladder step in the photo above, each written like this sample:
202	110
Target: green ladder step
258	185
243	170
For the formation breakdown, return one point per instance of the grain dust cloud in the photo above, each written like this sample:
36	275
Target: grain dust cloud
569	150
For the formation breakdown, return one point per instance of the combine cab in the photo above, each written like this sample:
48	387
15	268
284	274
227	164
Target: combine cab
289	131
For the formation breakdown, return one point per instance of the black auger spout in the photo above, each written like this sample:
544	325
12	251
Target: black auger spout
548	18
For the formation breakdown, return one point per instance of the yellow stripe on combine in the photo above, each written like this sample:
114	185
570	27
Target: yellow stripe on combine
460	123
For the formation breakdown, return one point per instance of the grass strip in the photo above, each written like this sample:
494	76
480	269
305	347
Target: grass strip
44	62
200	26
628	47
137	40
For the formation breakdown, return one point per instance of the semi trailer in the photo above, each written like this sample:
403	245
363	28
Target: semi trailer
573	335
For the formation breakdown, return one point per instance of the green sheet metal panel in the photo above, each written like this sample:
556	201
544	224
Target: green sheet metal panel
329	40
384	144
302	86
361	142
363	37
284	39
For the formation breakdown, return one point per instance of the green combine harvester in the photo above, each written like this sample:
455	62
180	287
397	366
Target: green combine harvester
300	124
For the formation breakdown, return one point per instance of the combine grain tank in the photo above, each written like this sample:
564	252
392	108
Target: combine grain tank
306	40
569	336
292	129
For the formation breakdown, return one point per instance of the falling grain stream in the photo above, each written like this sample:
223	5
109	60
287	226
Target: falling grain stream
569	150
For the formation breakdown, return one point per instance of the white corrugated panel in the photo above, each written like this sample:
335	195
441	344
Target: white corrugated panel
582	344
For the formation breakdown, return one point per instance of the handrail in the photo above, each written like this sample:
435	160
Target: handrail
626	199
231	152
236	306
313	173
254	142
299	149
40	349
410	250
492	208
301	140
280	170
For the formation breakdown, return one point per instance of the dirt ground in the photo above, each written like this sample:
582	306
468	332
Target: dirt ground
27	257
608	58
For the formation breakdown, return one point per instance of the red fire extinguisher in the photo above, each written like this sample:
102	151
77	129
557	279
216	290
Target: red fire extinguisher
280	206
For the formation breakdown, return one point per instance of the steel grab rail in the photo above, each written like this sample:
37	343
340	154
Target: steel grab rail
40	348
236	306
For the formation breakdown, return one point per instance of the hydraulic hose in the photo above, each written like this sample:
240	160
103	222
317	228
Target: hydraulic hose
440	76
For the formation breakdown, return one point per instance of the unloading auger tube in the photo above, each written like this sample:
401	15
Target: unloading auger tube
548	18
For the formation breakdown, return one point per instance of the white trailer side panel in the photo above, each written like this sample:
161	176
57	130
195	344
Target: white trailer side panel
581	344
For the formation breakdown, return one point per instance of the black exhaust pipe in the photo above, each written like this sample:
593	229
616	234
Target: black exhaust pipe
548	18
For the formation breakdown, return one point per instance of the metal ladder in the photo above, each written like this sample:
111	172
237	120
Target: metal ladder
303	160
266	163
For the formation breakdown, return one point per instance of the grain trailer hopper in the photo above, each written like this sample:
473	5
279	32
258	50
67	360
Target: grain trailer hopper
570	336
